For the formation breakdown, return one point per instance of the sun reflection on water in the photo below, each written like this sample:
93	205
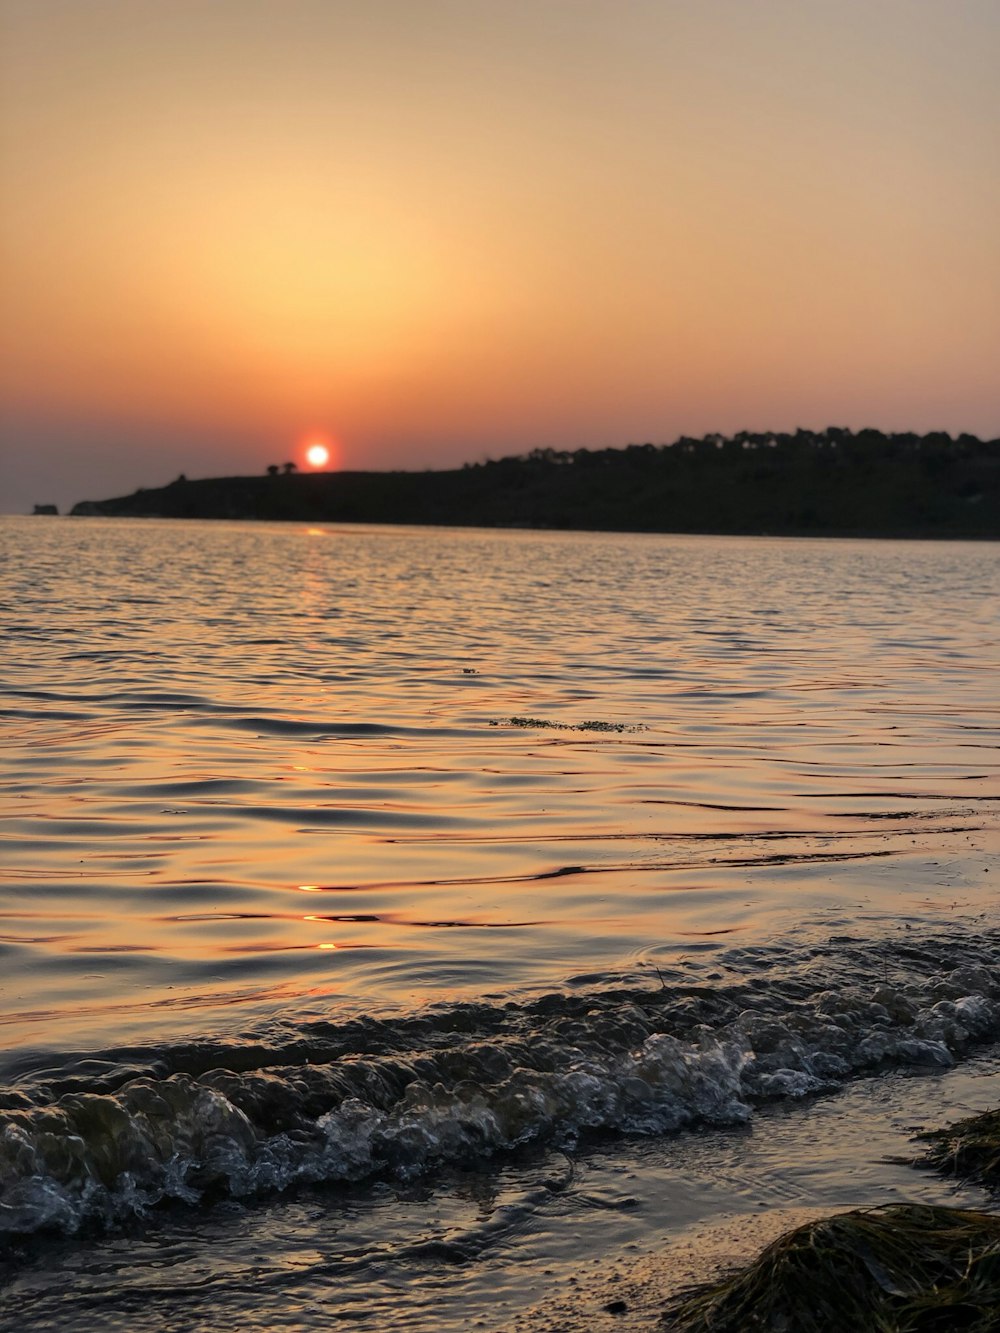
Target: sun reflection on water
212	717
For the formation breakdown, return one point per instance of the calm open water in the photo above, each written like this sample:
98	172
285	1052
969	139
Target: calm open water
366	894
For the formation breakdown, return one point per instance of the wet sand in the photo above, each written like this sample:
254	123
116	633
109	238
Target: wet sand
631	1296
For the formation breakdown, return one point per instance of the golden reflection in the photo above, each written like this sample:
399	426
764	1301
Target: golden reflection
724	819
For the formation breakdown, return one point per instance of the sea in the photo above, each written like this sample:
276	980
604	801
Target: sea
405	927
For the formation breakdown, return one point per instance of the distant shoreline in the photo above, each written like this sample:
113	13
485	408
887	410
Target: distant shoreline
833	483
840	534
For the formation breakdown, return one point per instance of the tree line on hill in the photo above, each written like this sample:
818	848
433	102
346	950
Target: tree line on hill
834	481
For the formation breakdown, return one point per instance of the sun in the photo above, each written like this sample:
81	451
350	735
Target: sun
317	455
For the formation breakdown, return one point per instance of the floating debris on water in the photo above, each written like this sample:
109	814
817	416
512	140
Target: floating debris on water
541	722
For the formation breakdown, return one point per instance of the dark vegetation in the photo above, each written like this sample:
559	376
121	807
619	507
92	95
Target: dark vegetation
969	1149
807	483
904	1268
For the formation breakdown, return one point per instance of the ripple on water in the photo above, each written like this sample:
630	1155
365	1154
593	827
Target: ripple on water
509	780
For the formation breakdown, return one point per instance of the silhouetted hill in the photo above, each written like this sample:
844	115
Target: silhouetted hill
806	483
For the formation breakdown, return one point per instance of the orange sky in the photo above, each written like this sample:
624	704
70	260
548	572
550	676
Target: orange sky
438	230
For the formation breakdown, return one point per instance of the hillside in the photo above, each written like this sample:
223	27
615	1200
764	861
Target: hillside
833	482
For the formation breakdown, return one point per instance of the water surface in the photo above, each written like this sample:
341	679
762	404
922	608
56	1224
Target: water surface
348	856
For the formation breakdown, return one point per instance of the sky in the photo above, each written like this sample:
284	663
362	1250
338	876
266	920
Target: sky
436	231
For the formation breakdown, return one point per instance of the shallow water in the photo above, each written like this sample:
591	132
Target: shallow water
351	858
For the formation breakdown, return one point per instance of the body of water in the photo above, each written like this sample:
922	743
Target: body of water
386	914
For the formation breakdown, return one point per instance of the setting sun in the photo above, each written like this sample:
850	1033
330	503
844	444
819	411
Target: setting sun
317	455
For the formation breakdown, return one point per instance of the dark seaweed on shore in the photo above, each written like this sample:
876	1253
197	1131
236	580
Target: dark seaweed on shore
969	1149
898	1269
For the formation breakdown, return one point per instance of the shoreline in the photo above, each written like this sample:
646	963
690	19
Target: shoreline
830	482
361	524
865	1130
631	1296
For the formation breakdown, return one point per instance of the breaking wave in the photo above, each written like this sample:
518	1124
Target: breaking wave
94	1141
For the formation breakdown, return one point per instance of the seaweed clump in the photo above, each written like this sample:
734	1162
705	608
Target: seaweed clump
969	1148
901	1268
541	722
